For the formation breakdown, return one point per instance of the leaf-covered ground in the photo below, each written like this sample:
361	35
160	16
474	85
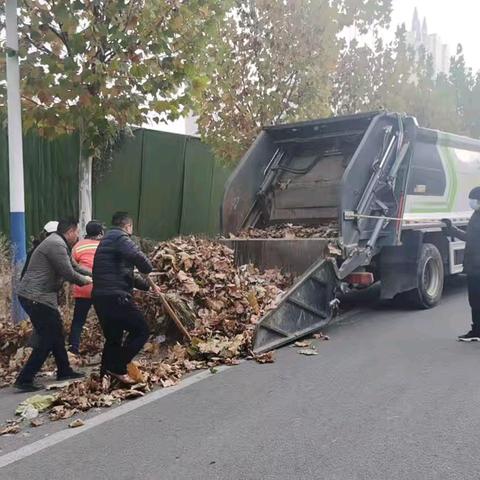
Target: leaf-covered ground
218	303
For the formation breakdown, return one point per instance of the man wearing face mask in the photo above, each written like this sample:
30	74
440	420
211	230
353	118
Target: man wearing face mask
471	263
50	265
113	284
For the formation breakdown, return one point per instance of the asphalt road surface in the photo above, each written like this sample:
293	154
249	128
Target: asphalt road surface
392	395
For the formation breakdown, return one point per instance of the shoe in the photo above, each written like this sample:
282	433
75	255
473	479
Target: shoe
469	337
28	386
71	376
125	378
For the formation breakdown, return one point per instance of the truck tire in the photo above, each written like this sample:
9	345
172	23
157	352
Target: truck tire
430	274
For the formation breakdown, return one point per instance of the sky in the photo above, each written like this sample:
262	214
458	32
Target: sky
456	21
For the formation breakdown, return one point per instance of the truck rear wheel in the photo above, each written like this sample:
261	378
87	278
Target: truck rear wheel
430	274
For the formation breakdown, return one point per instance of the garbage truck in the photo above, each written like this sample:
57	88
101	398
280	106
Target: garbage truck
383	181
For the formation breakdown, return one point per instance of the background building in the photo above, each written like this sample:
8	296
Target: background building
419	36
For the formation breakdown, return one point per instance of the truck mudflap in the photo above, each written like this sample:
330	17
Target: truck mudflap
305	309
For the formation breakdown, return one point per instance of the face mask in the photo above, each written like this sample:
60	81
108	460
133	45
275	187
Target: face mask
474	205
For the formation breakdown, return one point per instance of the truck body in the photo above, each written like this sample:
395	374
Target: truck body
382	181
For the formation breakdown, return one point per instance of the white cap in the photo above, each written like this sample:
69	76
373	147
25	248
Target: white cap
51	226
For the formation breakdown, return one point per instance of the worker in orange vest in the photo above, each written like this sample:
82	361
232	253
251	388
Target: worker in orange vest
83	254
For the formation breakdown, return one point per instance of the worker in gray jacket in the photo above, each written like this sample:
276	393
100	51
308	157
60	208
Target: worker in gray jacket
50	265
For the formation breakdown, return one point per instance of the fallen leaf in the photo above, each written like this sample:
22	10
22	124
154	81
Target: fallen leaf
10	429
168	383
74	360
334	250
303	344
76	423
232	361
93	360
253	301
62	412
268	357
308	352
321	336
36	422
148	347
133	394
135	373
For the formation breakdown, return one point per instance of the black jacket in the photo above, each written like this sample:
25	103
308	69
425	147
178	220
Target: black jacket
115	258
471	262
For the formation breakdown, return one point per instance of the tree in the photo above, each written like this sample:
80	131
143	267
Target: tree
463	81
374	78
435	107
354	79
98	66
395	77
475	108
274	64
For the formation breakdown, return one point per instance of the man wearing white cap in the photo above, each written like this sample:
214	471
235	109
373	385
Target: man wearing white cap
49	267
50	227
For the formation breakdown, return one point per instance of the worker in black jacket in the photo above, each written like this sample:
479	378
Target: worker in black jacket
113	284
471	263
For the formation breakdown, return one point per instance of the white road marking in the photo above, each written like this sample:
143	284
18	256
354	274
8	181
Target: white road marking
109	415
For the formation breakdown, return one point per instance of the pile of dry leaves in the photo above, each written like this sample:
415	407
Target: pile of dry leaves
290	231
217	303
13	349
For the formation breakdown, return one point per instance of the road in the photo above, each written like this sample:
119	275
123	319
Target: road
392	395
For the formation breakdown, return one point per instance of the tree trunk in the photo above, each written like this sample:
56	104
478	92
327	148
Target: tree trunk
85	203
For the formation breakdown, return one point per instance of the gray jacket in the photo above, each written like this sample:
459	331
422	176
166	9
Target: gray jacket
50	265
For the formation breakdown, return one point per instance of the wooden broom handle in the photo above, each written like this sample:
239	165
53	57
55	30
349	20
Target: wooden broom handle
169	310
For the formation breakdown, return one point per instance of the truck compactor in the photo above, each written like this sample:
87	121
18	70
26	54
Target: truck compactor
385	184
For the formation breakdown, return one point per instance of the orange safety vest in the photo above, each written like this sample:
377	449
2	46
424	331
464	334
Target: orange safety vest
83	253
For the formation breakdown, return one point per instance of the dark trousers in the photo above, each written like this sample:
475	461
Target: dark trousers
117	315
82	306
48	326
473	282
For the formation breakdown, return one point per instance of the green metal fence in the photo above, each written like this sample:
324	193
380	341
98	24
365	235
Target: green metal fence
51	180
170	183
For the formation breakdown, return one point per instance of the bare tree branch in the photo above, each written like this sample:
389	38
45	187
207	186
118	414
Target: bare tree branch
62	37
42	48
31	100
288	96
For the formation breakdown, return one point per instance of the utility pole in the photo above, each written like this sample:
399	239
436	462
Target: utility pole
15	153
